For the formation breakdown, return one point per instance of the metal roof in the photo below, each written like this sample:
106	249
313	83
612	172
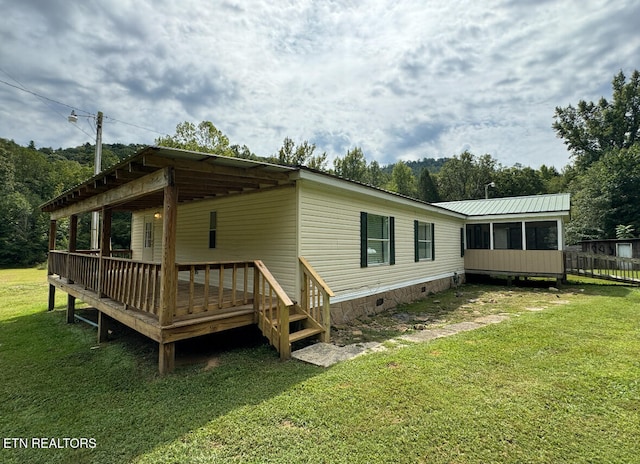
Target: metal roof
554	203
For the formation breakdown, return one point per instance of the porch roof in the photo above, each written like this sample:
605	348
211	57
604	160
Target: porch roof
532	204
140	179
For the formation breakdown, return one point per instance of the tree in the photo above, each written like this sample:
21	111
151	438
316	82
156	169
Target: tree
607	195
592	129
353	166
427	189
517	181
302	155
464	177
402	180
376	175
205	138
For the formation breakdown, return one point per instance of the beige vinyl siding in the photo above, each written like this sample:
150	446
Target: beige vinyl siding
137	231
330	241
249	227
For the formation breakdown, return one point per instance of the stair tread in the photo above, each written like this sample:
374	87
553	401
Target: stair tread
292	318
299	335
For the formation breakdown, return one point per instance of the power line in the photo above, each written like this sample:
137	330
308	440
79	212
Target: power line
24	89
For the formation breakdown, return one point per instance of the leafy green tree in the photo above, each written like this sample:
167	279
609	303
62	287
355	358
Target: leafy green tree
427	189
606	195
353	166
302	155
590	130
402	180
205	137
464	177
517	180
376	175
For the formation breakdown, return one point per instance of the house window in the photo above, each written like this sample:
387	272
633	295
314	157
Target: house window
507	236
377	239
423	241
478	236
542	235
148	234
213	222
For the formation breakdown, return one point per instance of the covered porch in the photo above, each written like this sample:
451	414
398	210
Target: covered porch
167	300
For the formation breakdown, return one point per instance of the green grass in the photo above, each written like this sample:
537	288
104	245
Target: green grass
559	385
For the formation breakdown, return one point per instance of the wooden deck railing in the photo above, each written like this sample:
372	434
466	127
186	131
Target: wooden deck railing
315	298
135	284
204	287
272	306
602	266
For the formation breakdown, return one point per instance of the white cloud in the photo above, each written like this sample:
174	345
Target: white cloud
402	80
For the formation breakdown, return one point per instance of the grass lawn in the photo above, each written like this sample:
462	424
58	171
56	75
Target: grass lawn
546	386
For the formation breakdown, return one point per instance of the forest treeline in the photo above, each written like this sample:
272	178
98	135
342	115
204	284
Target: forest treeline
603	177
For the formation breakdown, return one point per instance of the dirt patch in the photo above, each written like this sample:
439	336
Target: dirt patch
469	303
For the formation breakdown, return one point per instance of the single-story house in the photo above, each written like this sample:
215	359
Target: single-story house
218	243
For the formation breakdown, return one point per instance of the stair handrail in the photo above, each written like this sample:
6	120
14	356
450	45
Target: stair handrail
275	329
320	315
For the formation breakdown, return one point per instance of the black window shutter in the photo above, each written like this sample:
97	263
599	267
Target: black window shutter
433	242
392	240
363	239
461	242
416	250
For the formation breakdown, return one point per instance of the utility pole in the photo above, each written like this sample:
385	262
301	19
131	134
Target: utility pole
97	167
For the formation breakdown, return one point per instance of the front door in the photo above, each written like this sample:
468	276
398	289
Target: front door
147	239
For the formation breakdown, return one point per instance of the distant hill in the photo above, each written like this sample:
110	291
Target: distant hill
84	154
432	164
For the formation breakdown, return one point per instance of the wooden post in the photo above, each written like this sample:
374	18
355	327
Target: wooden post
52	246
166	357
52	297
326	318
169	274
73	238
256	295
103	327
105	248
283	322
71	308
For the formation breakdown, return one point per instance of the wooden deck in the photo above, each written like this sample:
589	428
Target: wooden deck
184	325
208	298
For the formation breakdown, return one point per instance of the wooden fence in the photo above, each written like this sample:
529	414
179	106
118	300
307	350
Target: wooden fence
602	266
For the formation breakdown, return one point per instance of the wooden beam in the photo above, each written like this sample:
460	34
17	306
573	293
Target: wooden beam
208	166
140	187
169	273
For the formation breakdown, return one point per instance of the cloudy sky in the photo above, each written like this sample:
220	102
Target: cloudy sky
400	79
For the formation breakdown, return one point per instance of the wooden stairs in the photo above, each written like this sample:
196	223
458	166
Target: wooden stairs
301	326
283	321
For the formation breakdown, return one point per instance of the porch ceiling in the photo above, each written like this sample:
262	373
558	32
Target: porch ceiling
197	176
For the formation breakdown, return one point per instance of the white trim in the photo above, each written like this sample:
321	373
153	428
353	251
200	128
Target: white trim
516	217
374	291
